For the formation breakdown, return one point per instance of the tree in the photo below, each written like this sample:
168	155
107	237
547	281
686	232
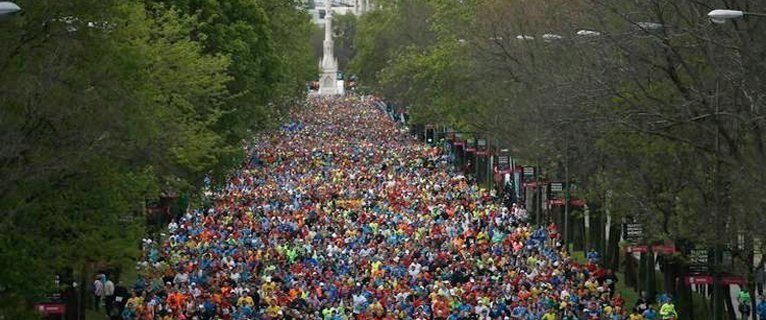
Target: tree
382	33
648	106
107	104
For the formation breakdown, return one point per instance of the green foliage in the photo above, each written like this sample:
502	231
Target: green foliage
647	174
344	31
428	79
108	104
662	125
382	33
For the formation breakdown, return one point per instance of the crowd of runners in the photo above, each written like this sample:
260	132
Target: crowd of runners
343	215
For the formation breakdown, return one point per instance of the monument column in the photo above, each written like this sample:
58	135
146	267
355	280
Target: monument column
328	82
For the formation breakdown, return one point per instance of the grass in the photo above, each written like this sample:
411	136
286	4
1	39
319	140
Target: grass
628	294
700	304
93	315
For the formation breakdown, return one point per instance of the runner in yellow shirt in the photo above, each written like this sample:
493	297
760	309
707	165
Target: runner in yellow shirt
549	315
245	300
635	316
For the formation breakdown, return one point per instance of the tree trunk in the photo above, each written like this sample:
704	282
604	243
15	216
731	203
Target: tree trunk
651	285
753	314
670	273
705	305
82	293
630	271
731	314
749	247
614	247
579	225
683	291
718	292
588	228
642	273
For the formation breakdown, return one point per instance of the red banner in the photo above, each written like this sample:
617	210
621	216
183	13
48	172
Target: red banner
556	202
698	279
706	279
577	202
459	144
532	184
482	153
639	249
470	149
51	308
664	249
656	248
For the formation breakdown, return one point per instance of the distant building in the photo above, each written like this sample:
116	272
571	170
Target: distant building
339	7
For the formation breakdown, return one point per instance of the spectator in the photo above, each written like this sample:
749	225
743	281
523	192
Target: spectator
98	292
121	296
109	295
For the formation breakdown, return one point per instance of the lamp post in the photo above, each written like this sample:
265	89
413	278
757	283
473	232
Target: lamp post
588	33
721	15
552	37
648	25
8	10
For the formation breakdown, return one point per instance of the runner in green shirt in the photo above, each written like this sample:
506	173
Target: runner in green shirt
668	311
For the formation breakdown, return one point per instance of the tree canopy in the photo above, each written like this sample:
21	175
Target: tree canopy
648	102
108	104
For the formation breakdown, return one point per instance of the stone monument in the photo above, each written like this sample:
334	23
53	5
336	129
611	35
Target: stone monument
328	82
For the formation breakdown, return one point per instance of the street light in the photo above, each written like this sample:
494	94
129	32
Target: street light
649	25
552	37
588	33
721	15
8	10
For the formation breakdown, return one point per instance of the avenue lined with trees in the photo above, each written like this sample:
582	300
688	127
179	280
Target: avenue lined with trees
116	115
